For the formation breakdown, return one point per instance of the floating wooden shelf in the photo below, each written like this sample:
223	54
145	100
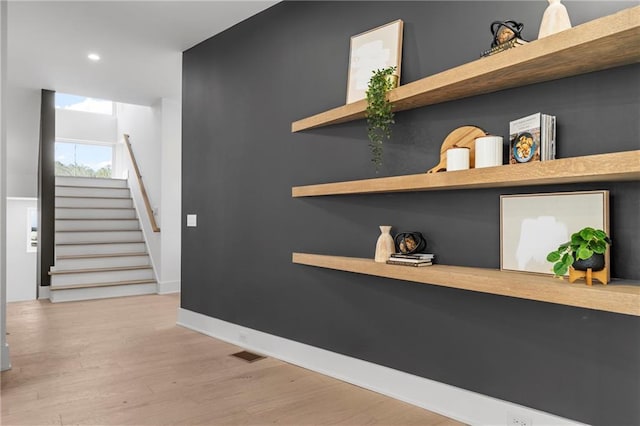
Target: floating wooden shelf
622	297
608	42
617	166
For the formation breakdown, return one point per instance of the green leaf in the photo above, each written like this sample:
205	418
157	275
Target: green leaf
584	253
587	233
569	260
379	112
554	256
563	247
576	239
560	269
599	247
600	234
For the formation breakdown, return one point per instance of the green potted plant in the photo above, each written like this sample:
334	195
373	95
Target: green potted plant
585	250
379	111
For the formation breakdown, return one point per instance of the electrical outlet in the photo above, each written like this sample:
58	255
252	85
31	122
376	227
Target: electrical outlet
518	420
242	337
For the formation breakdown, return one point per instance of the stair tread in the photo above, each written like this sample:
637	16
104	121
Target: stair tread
99	230
97	256
88	177
88	196
98	218
92	270
91	186
97	208
110	284
84	243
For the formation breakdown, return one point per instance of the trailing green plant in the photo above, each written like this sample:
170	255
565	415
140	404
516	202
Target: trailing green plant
584	244
379	112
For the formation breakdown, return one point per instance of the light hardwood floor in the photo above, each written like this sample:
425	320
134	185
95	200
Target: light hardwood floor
124	361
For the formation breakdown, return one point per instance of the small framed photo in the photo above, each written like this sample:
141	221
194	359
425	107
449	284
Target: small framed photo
532	225
372	50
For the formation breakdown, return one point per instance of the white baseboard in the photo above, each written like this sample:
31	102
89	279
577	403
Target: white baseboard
44	292
456	403
5	360
166	287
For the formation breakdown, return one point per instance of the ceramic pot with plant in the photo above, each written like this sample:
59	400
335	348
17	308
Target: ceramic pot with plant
585	250
379	111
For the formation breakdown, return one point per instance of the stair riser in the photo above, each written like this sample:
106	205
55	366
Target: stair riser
101	277
94	202
97	225
70	191
101	292
100	249
101	183
95	214
100	262
97	237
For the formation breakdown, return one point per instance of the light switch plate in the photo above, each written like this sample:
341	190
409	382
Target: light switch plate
192	220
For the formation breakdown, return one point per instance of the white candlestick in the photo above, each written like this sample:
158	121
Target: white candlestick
457	159
488	151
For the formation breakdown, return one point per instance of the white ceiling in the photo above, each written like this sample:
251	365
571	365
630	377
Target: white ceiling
140	43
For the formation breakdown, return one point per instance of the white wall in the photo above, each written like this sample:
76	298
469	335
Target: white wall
21	273
86	126
23	138
143	125
171	188
156	139
5	362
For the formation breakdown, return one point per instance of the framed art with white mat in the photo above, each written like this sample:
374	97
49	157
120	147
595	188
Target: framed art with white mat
372	50
532	225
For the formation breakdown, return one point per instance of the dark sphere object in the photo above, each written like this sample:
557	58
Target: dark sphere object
595	262
410	242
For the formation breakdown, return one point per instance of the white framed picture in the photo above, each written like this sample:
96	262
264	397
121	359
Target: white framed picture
372	50
532	225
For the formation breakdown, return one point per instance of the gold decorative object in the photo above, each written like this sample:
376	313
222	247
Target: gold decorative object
589	275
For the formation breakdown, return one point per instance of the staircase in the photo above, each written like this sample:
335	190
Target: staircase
99	248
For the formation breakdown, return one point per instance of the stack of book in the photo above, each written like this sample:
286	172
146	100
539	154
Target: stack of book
532	138
415	259
504	46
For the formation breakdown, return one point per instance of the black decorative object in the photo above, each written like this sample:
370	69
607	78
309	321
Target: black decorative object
505	31
595	262
410	242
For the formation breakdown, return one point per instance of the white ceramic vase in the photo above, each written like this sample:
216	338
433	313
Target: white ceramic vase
554	20
385	246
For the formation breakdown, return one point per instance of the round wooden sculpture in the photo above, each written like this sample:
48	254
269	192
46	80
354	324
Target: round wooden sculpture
462	137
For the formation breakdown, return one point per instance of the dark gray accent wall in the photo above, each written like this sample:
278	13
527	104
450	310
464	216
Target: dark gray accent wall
244	87
46	186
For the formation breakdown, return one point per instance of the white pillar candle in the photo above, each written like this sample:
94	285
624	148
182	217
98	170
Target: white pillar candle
457	159
488	151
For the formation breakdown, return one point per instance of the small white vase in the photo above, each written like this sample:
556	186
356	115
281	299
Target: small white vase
554	20
385	246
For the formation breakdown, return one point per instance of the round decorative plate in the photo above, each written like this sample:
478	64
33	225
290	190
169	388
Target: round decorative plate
524	147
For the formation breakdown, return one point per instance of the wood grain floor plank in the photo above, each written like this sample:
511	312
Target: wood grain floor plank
125	362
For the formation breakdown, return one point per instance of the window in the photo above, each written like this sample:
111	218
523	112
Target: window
83	159
82	103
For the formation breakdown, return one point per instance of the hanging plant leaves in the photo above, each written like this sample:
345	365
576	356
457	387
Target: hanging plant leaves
379	112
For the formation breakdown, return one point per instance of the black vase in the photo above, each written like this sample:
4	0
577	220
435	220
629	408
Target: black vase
595	262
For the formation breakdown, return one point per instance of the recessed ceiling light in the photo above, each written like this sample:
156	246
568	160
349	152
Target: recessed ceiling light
94	57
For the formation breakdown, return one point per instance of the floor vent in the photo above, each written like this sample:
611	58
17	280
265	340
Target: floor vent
248	356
